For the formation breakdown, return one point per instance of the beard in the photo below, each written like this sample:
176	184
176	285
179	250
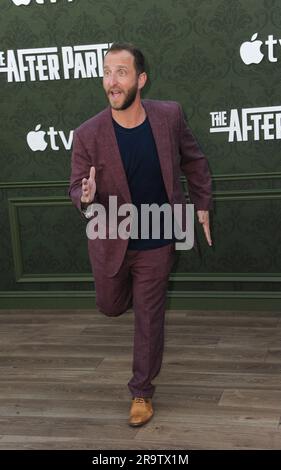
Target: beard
130	97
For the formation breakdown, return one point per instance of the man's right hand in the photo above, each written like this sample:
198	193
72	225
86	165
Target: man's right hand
89	187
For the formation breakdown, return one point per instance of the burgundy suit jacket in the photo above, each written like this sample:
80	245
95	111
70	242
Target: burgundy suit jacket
95	144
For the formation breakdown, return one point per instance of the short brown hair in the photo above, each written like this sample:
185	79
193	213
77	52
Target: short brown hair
138	55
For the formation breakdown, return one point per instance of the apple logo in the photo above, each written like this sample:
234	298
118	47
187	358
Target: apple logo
250	51
35	139
21	2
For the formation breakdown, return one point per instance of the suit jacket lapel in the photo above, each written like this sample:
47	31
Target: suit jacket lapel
160	130
115	161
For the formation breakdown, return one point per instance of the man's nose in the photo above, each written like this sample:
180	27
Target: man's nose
113	80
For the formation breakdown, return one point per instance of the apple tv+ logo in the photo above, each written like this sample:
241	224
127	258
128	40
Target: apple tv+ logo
250	51
18	3
36	139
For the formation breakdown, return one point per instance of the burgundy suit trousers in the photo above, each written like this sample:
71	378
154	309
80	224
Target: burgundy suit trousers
140	283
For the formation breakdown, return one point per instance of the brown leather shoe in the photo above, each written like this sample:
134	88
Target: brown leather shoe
141	411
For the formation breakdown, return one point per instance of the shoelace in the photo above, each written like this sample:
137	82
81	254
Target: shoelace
139	400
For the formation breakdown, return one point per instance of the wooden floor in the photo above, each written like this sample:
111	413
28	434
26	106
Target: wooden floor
64	381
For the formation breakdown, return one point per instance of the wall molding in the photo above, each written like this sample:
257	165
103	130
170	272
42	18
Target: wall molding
13	205
215	177
177	277
246	176
188	294
187	300
21	277
34	184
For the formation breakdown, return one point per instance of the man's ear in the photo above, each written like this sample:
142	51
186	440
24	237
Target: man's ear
142	80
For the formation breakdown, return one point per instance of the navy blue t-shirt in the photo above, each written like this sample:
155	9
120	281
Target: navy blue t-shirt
142	167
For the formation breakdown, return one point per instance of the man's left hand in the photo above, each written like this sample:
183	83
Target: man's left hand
203	217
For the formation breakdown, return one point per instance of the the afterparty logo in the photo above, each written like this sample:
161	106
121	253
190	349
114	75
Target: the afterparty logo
36	139
258	124
18	3
52	63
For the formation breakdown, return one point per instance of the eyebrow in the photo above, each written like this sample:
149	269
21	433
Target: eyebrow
119	66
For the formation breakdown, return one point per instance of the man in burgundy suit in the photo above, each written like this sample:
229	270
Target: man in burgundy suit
136	150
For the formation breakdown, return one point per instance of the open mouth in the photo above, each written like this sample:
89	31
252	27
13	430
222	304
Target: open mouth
115	94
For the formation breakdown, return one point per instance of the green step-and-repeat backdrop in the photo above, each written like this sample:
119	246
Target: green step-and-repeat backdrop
221	59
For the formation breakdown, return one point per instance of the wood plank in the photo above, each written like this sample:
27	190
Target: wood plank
273	355
89	391
115	351
14	442
66	427
263	399
182	365
185	410
50	362
212	436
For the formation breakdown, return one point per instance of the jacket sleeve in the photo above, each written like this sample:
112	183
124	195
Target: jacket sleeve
80	168
195	167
